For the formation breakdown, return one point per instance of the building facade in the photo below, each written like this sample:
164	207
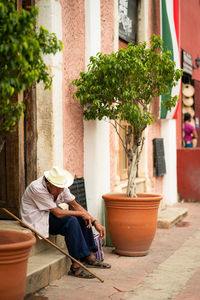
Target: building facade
59	135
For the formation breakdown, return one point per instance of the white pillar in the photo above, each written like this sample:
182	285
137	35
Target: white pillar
49	102
96	133
170	178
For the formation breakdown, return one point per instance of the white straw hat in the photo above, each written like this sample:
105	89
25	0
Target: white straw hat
59	177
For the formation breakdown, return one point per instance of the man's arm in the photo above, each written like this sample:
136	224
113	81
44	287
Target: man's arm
195	135
60	213
77	207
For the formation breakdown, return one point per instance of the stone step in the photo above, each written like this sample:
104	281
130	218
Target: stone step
40	244
15	226
44	267
170	216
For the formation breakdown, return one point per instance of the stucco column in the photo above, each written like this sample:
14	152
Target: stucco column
170	178
49	103
96	133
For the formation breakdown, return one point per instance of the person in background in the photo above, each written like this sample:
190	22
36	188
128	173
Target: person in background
41	208
189	131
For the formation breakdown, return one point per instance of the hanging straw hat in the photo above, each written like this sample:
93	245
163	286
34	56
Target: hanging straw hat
189	110
188	90
59	177
188	101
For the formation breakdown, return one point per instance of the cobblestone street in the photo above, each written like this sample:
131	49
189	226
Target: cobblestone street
171	270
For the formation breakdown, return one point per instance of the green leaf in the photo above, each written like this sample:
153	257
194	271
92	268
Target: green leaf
22	51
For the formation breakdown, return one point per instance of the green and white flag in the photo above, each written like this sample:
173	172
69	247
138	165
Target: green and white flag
170	36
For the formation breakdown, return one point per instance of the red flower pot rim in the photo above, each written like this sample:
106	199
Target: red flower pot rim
15	243
140	196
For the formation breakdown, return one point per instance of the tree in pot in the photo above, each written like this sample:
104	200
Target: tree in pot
121	86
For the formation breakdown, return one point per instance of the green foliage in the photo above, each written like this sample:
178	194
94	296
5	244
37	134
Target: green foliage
21	58
121	85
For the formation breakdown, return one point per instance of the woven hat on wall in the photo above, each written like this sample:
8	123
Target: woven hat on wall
189	110
188	101
188	90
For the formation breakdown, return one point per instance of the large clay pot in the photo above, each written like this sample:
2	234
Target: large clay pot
132	222
14	252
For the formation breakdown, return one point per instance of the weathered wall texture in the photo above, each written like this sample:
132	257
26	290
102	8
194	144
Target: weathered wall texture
107	26
155	128
189	30
107	46
154	131
49	102
73	63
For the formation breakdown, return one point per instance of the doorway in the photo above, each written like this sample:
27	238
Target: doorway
18	158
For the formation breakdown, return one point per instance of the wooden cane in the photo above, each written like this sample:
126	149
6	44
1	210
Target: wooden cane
51	243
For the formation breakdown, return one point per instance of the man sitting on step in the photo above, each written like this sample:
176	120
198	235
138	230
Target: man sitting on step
41	209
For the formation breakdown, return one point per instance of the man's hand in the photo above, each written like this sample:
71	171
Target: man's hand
79	211
101	229
87	218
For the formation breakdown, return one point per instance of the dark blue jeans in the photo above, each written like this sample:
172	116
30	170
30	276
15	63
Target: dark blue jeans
188	145
78	238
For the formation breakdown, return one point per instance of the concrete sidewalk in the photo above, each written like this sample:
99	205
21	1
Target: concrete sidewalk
171	270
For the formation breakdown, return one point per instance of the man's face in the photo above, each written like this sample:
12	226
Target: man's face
54	190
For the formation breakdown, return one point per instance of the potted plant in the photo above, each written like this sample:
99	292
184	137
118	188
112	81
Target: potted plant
121	86
15	248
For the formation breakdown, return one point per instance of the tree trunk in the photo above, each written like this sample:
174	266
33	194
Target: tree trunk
132	172
134	157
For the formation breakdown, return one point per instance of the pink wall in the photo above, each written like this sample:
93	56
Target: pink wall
73	63
154	130
154	17
188	168
107	46
189	30
190	42
107	26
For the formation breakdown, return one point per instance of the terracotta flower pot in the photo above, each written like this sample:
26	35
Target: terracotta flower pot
132	222
14	252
